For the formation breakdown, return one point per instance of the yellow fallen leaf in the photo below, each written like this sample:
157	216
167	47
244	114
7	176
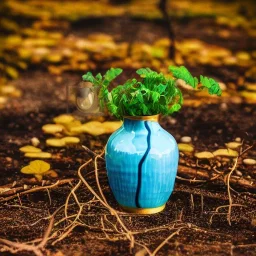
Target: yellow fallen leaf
243	56
52	128
3	100
185	147
68	127
249	161
36	167
38	155
250	96
251	87
112	126
233	145
54	57
74	123
63	119
190	45
225	152
55	142
70	140
12	72
96	128
97	131
7	89
23	65
93	124
204	155
163	42
230	60
76	130
30	149
25	53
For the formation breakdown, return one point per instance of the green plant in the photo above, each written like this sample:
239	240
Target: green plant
155	93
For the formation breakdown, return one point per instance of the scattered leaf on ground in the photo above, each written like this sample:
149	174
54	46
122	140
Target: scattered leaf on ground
204	155
249	161
225	152
70	140
63	119
52	128
55	142
38	155
185	147
30	149
36	167
233	145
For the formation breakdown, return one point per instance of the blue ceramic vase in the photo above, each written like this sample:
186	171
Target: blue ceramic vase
141	162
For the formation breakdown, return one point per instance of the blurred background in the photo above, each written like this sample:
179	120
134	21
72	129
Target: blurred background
54	37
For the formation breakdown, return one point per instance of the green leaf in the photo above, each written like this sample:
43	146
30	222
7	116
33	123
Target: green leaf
140	97
89	77
111	74
161	88
144	109
155	96
163	100
99	77
174	108
182	73
110	97
155	93
179	93
112	108
211	85
143	72
124	98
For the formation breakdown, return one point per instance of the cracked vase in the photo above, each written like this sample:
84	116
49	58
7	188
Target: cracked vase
141	161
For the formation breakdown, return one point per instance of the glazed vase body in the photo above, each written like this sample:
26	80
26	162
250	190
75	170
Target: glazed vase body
141	162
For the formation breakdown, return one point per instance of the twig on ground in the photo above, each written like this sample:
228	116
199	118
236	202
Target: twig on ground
216	212
229	193
103	201
93	154
34	189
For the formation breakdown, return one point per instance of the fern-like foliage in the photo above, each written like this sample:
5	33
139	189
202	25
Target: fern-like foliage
154	94
183	74
103	82
211	85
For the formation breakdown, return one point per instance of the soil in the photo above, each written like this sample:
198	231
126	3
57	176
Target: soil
192	211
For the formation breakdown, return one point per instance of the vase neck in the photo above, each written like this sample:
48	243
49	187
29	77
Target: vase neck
138	123
153	118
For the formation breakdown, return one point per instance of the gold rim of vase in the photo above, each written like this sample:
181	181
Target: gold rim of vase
153	118
143	210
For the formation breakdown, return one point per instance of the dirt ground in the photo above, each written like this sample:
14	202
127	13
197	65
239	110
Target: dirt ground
212	210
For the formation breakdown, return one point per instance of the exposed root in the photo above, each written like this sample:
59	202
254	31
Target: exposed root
229	193
16	192
110	224
165	241
227	180
216	212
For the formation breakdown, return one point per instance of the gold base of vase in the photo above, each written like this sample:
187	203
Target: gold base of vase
143	210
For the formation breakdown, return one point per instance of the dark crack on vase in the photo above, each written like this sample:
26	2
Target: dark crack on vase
140	166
